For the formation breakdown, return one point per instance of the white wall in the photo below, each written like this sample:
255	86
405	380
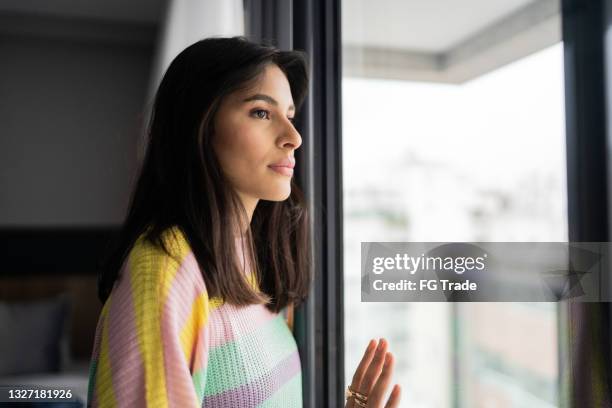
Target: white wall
186	22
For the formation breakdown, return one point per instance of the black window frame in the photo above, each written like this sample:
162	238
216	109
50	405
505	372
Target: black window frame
585	354
314	27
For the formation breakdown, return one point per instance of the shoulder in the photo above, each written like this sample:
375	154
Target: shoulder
173	239
153	270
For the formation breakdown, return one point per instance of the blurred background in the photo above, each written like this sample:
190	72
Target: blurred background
453	130
76	81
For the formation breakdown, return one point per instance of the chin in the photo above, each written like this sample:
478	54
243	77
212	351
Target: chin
281	195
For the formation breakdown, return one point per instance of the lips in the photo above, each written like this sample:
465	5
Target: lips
284	167
287	162
285	171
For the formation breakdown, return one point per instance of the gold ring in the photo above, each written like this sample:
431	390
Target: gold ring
360	403
359	397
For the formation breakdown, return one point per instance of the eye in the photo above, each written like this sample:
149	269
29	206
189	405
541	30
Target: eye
267	115
257	111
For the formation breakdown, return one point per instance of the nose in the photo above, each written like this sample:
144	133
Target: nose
291	138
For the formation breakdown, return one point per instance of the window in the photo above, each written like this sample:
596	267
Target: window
454	131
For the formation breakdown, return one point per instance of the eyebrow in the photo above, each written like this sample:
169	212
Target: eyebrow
266	98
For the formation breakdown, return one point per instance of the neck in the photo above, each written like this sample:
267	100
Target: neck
249	204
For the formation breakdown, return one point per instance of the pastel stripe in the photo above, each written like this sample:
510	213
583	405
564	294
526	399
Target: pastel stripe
193	306
106	395
179	248
146	292
178	361
125	362
285	394
279	376
223	376
161	341
228	332
93	367
92	399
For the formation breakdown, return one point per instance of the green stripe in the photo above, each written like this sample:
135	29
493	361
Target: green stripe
243	360
92	373
198	382
289	395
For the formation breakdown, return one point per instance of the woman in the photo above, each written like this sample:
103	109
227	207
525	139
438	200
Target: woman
214	248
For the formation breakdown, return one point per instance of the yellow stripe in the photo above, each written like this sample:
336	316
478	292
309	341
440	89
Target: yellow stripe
201	308
178	247
152	273
198	318
104	378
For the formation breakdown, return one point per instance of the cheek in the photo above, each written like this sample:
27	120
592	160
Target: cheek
241	151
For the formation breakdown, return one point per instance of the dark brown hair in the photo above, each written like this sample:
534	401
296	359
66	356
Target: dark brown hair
181	183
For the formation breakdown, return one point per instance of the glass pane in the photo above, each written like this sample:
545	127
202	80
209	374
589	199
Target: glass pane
454	130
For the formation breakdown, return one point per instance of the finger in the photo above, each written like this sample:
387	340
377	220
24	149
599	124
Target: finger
360	371
374	368
394	398
363	365
378	391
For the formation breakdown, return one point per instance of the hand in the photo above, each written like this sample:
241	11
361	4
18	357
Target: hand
373	376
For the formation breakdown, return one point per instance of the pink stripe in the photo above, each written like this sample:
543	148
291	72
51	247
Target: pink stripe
223	319
124	354
221	327
98	338
223	322
95	357
200	357
186	287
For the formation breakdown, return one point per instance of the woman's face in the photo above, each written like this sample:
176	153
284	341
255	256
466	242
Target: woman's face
255	140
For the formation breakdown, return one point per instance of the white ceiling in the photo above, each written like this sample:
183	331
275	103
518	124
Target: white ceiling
431	26
417	25
447	41
429	40
138	11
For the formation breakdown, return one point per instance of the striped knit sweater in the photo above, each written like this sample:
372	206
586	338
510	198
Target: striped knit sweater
162	342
